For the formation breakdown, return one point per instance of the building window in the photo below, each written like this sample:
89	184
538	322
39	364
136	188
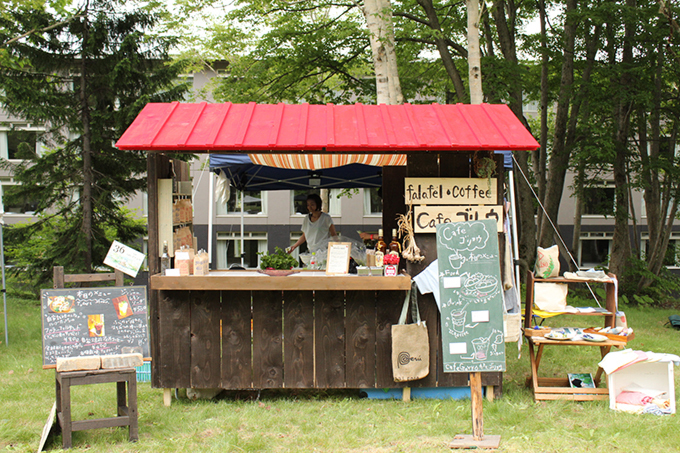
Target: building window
594	249
599	201
14	203
672	258
373	201
228	249
254	203
21	144
299	201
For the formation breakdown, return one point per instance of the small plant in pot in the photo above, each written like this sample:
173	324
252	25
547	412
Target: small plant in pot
277	261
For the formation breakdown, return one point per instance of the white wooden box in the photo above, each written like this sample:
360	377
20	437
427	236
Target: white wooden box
650	375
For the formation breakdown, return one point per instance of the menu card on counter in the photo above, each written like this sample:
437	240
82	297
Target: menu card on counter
337	261
94	321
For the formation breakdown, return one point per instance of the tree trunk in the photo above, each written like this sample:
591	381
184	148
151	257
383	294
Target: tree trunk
504	17
378	15
540	156
474	54
86	153
559	160
443	48
578	215
527	219
621	250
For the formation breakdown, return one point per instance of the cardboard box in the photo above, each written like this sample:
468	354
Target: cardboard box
649	375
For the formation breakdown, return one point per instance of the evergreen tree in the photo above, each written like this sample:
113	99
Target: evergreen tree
83	73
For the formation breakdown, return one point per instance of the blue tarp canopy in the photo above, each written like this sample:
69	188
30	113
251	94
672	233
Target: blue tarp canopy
244	175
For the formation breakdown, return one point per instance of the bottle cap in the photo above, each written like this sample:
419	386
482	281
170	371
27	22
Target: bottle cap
380	232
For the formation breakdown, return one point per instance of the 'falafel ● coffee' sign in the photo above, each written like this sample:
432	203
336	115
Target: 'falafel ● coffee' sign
94	321
451	191
471	297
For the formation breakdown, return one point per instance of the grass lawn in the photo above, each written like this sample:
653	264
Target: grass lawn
335	421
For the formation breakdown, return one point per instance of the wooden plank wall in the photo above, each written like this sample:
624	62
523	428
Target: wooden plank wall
299	339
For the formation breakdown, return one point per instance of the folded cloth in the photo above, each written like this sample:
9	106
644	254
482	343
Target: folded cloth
617	360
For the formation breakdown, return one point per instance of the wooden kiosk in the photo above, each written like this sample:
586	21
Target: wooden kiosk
309	330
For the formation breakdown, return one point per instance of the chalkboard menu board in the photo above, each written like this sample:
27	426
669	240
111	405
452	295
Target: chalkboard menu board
94	321
471	297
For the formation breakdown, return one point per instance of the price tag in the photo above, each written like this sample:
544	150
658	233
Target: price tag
124	259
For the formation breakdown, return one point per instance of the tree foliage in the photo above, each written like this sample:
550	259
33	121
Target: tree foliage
82	72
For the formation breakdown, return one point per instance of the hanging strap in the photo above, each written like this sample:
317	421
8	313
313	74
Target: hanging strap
411	296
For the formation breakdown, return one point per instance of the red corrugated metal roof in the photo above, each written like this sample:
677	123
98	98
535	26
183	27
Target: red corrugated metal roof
277	128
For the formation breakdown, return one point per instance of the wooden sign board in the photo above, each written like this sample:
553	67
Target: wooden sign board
452	191
471	297
94	321
337	261
426	218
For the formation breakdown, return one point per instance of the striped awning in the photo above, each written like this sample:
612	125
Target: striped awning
320	161
305	129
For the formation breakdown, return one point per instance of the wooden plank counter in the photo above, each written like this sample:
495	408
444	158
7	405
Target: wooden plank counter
245	330
303	281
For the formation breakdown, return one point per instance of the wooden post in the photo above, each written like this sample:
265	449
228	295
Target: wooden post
477	406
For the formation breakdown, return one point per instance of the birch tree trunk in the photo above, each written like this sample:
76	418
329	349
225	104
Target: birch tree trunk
474	54
378	14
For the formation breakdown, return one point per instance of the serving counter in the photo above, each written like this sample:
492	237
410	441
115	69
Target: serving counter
246	330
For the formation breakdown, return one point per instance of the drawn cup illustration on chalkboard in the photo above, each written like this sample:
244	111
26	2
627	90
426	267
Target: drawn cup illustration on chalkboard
61	304
458	319
95	325
122	306
481	347
456	260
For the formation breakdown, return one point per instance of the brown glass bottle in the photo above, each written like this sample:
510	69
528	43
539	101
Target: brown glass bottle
381	245
394	246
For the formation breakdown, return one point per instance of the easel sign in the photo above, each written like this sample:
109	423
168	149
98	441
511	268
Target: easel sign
472	311
337	261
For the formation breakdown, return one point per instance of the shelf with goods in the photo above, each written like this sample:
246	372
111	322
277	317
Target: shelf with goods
551	388
175	214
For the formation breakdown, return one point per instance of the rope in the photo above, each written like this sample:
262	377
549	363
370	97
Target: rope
553	226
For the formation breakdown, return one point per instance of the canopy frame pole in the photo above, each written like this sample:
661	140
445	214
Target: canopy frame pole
242	232
4	286
211	206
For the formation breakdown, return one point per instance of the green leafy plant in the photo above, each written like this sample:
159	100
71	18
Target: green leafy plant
277	260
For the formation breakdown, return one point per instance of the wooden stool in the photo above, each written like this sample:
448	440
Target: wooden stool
127	413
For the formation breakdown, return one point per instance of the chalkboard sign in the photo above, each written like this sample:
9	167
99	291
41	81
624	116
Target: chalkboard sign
94	321
471	297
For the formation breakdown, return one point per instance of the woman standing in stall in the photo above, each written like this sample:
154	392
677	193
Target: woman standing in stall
317	226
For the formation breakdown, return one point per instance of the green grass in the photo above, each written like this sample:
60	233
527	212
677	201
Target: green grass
334	421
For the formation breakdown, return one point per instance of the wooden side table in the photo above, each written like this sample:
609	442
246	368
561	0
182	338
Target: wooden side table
127	411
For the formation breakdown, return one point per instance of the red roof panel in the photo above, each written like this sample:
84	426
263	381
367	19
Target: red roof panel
325	128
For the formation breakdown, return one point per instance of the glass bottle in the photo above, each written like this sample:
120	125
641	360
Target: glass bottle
165	258
312	261
380	245
394	246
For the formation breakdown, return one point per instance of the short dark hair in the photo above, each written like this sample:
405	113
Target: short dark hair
316	199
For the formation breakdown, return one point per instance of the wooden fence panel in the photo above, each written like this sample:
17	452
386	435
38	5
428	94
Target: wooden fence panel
175	336
267	339
205	339
298	335
330	339
360	344
388	310
236	340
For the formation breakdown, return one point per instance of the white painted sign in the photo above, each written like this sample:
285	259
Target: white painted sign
124	258
450	191
426	218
